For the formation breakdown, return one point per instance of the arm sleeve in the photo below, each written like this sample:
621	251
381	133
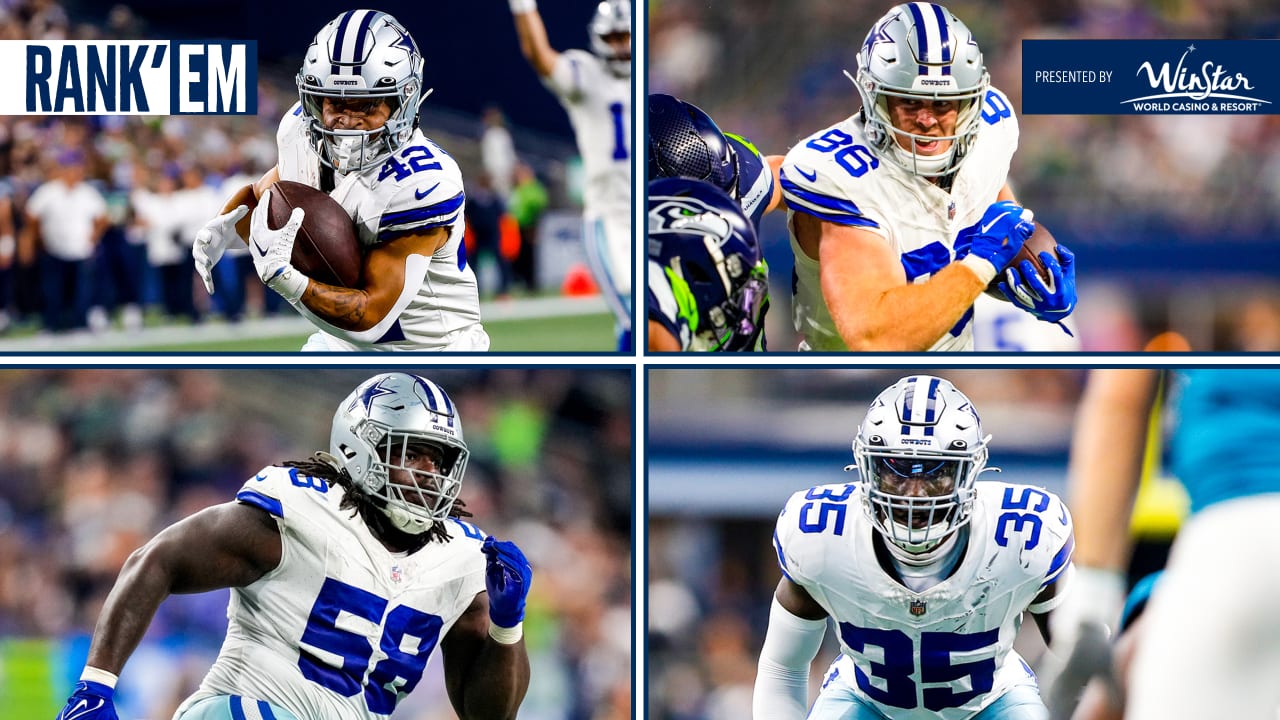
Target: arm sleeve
782	676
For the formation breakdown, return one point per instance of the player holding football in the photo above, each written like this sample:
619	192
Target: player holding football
901	214
708	283
353	134
925	571
685	142
347	570
595	90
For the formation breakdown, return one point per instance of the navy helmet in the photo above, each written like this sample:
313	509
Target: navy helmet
685	142
708	250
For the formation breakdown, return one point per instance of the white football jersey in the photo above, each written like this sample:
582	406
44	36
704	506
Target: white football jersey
418	188
342	628
946	652
599	107
835	176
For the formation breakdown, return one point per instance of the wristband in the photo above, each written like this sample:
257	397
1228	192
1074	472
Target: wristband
506	636
93	674
523	6
290	283
983	268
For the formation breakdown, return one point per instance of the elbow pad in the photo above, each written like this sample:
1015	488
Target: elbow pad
782	676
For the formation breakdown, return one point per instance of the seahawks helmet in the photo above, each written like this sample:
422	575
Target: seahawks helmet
613	17
925	433
708	250
362	55
382	424
921	51
686	142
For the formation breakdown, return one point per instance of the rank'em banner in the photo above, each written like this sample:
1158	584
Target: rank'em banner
129	77
1172	77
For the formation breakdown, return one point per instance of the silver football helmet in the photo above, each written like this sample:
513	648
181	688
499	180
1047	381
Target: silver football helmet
385	422
921	51
613	17
920	450
361	55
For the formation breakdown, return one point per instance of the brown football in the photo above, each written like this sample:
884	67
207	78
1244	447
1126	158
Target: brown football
326	248
1041	240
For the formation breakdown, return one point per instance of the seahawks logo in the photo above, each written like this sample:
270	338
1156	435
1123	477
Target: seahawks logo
688	215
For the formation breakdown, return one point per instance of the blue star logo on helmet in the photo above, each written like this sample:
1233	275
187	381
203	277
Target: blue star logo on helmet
405	41
372	392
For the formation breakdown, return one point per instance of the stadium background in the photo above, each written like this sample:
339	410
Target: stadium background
95	462
726	448
1174	219
468	78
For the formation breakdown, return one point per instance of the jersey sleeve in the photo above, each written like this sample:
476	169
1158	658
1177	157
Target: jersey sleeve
278	490
755	178
664	308
1059	544
575	72
815	184
433	200
1001	124
811	524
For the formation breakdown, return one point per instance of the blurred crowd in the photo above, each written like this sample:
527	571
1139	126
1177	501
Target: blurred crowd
95	462
712	564
111	243
1127	192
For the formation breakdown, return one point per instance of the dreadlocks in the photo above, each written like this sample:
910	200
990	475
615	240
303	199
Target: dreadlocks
370	508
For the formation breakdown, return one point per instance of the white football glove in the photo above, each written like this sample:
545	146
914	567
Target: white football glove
212	240
271	251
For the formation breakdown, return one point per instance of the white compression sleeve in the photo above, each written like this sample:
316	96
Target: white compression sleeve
782	676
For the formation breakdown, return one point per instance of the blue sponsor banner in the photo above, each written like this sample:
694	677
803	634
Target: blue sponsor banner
1156	77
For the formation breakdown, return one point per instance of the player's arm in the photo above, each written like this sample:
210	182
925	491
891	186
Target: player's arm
661	339
775	166
484	678
386	286
796	626
229	545
486	665
533	37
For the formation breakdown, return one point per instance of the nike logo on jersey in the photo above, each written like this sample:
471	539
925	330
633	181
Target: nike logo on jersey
811	176
986	228
82	708
419	194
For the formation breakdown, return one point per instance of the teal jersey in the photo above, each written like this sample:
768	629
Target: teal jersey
1225	445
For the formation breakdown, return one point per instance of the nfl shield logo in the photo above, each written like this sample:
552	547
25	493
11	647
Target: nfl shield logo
951	215
917	608
396	576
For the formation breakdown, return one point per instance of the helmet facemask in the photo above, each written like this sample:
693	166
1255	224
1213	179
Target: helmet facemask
612	20
922	52
415	498
346	66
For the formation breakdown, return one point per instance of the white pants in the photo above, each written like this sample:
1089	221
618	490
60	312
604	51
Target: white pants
230	707
1210	644
609	254
472	339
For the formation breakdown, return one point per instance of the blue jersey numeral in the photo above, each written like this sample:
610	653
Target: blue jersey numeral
393	676
618	111
826	510
855	159
418	158
994	108
891	680
306	481
1020	520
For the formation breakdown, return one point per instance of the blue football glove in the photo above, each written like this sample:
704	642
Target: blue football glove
90	701
1004	227
1052	302
507	576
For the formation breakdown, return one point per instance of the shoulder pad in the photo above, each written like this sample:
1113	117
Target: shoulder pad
422	201
807	523
276	488
815	183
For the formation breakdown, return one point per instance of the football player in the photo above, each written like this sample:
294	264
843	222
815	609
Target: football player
925	571
353	134
347	569
708	281
1209	618
595	90
685	142
902	214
